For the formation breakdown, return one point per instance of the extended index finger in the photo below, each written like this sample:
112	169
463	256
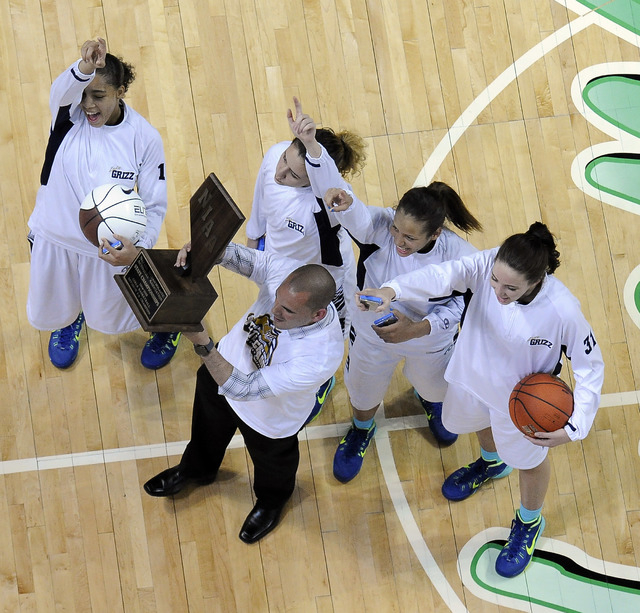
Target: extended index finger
298	107
101	53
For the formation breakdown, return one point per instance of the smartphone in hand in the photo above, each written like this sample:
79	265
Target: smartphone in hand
371	302
385	320
116	245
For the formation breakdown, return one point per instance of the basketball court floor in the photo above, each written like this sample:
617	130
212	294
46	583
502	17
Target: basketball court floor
529	109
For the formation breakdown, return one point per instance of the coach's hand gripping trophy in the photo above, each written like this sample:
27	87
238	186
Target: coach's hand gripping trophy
165	298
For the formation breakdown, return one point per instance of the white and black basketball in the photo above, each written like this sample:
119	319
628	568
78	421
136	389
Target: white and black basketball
112	209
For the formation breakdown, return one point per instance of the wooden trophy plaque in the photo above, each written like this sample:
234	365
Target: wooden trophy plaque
165	298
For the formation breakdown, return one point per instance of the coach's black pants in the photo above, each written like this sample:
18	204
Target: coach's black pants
213	425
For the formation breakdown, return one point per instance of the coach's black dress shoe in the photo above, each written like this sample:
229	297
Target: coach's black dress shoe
171	481
259	523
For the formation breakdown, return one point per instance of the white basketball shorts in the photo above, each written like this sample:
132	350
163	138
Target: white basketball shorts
371	363
463	413
63	283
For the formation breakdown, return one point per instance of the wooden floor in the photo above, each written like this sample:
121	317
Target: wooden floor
77	532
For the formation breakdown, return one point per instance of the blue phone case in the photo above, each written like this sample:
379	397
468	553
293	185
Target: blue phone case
385	320
371	301
116	245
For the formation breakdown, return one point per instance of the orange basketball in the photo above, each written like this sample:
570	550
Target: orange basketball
540	403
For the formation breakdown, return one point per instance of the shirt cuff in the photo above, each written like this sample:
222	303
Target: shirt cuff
395	287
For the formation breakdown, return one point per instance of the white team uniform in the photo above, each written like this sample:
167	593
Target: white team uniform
294	363
500	344
371	361
297	226
67	275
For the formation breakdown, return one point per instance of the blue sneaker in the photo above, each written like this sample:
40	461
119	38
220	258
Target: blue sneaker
349	455
321	396
64	344
433	411
518	550
466	480
159	349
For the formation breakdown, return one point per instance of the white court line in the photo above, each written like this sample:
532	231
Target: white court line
160	450
385	454
409	524
496	87
105	456
620	399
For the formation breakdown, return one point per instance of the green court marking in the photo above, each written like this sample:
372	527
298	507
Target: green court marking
625	13
615	98
616	175
548	584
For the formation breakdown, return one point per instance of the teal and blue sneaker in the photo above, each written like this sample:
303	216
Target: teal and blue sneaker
433	411
159	349
321	396
518	550
349	455
64	344
465	481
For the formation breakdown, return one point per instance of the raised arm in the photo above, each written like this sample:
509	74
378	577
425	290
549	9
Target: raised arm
321	168
365	224
444	279
92	55
303	127
67	89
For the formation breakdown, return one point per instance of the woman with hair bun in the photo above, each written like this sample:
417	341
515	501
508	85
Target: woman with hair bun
516	304
394	241
95	139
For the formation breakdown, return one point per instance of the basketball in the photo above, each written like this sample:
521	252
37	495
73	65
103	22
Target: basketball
540	403
112	209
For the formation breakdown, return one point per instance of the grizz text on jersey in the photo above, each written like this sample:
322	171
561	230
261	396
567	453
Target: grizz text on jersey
298	227
540	341
125	175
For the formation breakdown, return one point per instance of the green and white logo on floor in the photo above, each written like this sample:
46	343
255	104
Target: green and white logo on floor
560	577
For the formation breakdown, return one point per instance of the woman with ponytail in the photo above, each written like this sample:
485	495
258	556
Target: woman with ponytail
288	216
520	320
392	242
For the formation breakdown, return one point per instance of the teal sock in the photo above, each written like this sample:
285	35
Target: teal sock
490	456
528	516
363	425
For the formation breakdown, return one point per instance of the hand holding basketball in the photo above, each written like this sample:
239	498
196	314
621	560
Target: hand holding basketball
118	256
549	439
112	209
541	403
